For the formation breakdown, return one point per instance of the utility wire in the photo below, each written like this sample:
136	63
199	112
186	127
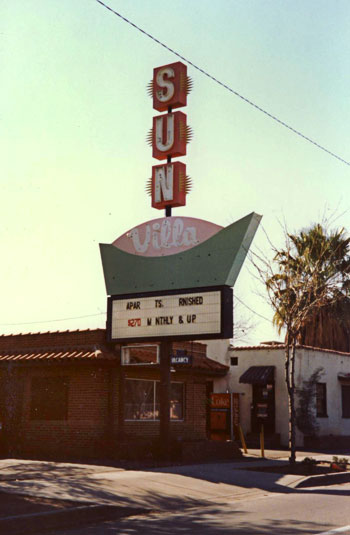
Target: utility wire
104	313
252	310
222	84
52	321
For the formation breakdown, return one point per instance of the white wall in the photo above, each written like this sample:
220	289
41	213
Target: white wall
218	350
306	363
257	357
333	363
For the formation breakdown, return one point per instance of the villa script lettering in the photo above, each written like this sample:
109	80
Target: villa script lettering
164	235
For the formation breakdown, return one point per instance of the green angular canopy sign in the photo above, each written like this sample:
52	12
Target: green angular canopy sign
186	256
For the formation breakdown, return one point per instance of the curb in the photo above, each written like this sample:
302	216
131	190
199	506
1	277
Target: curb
64	518
323	480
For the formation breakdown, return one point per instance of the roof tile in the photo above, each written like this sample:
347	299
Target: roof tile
72	354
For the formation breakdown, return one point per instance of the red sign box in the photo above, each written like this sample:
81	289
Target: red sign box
169	135
168	185
169	86
220	401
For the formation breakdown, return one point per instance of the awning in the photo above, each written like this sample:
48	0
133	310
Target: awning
344	378
258	375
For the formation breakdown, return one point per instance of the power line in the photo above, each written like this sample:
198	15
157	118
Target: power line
252	310
104	313
223	85
52	321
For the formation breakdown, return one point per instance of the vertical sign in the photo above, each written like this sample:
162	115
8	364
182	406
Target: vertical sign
169	136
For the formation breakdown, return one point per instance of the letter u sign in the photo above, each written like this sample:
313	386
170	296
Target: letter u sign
169	135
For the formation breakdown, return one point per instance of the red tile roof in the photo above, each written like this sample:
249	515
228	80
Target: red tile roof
55	354
56	346
282	346
49	339
87	345
204	364
260	346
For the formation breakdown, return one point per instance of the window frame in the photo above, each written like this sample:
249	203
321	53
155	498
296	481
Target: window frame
155	382
125	348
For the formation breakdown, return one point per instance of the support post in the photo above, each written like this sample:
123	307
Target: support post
241	435
262	441
121	388
164	398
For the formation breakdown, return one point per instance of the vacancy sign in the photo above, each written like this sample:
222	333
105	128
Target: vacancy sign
187	314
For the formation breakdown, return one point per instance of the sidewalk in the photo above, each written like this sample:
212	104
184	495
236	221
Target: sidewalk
87	488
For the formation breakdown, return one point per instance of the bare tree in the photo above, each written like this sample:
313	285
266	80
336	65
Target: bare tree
309	272
244	323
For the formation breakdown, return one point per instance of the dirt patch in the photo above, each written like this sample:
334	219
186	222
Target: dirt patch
18	504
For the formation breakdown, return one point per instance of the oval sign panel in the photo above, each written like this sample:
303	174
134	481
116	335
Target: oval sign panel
166	236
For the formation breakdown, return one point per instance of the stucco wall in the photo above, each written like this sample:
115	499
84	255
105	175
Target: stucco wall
218	350
260	357
307	361
332	363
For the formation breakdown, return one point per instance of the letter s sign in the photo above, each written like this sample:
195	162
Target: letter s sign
170	86
163	81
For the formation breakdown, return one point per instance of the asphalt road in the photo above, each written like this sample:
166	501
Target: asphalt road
312	511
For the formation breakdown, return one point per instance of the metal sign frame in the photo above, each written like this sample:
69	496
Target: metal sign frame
226	315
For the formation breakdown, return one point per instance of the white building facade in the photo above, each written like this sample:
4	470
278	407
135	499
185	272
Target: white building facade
257	373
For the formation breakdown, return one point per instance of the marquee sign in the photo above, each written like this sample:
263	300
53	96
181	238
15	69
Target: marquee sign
171	277
187	314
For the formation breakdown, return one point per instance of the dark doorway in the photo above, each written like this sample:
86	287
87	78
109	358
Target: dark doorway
263	408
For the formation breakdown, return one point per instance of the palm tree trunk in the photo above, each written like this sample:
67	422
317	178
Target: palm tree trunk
292	446
290	382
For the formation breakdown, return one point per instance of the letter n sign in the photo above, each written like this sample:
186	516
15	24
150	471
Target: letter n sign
169	185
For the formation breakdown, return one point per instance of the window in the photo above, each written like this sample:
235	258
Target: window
345	401
140	354
234	361
142	400
176	401
321	399
49	398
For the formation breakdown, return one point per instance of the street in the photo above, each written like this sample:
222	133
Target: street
225	498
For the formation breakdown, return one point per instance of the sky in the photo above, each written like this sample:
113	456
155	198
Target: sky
74	115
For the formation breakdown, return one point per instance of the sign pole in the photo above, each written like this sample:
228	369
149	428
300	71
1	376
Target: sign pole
164	397
168	207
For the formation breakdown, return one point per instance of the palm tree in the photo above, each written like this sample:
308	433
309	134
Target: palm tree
311	280
313	272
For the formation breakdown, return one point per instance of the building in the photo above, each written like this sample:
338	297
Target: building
71	395
257	373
